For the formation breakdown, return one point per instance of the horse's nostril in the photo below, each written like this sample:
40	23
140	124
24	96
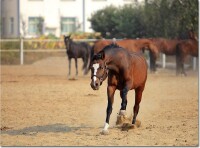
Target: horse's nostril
96	84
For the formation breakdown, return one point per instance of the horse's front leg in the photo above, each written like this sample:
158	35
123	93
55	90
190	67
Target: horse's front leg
138	97
123	95
110	94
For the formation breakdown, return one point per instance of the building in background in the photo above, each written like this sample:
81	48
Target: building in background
31	18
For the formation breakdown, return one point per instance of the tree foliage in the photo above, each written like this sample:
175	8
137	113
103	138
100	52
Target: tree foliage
156	18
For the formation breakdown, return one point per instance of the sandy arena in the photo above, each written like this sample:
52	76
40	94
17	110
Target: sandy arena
41	107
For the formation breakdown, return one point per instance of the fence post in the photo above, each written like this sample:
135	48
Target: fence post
163	60
194	63
21	51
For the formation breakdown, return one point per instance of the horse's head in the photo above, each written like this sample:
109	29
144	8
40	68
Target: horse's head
67	40
99	71
192	35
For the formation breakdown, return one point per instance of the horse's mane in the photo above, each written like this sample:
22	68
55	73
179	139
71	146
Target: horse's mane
108	47
112	45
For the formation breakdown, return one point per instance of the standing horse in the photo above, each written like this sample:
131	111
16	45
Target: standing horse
125	70
77	50
185	48
166	46
132	45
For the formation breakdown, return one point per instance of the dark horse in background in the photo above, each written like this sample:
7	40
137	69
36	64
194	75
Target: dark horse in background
77	50
125	70
185	48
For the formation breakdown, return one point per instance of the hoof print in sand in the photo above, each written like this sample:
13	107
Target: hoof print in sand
127	126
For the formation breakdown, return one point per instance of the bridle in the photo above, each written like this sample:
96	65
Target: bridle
101	78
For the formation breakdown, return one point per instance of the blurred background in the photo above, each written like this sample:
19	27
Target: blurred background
34	29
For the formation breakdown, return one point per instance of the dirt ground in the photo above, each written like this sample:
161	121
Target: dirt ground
41	107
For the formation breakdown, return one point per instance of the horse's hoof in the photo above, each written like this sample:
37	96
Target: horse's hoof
104	132
122	112
137	123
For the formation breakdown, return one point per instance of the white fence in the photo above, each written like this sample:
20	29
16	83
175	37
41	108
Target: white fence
20	48
22	41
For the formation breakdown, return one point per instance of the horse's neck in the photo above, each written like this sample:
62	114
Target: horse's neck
143	43
69	45
114	62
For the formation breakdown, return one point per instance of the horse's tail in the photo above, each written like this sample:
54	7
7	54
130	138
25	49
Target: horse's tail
90	55
87	57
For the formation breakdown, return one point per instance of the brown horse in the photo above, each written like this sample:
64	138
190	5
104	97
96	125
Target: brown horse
185	48
125	70
166	46
132	45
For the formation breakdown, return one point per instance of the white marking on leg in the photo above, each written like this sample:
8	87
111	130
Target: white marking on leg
95	66
122	112
106	126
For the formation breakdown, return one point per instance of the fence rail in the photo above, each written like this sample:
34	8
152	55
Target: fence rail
48	40
27	45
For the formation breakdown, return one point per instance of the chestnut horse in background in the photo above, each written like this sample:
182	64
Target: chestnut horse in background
132	45
185	48
166	46
125	70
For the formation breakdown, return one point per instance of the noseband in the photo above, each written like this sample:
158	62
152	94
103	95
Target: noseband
101	77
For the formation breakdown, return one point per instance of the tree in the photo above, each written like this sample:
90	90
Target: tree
171	17
104	21
157	18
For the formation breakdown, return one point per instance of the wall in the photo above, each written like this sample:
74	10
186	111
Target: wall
52	11
9	9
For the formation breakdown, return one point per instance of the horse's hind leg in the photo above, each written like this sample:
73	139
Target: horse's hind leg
138	97
76	65
69	73
183	57
180	59
183	69
178	64
152	61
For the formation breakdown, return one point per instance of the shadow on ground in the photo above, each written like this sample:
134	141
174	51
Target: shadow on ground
34	130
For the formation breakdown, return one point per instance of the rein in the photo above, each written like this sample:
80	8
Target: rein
101	77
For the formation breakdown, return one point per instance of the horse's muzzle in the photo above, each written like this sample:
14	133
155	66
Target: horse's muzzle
95	86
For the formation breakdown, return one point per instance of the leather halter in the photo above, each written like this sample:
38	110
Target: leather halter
101	77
